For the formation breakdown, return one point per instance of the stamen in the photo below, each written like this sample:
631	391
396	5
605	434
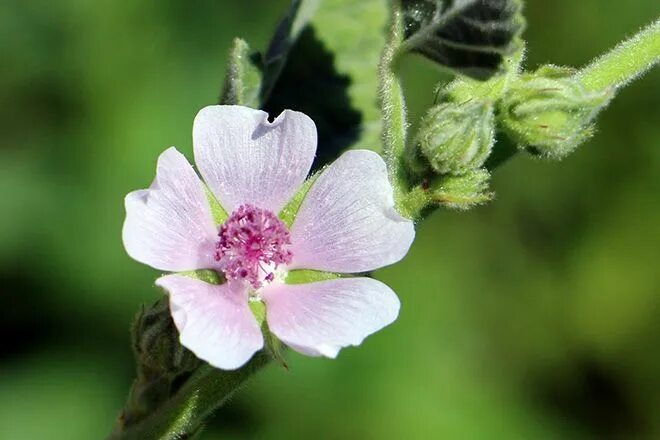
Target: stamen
253	243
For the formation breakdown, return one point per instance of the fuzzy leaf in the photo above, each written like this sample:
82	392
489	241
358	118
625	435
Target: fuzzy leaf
250	77
331	74
285	36
470	37
355	33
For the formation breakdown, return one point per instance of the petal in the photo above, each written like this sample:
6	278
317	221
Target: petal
246	159
321	318
169	226
214	321
347	222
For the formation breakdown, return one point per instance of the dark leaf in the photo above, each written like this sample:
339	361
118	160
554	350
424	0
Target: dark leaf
310	83
251	77
471	37
285	36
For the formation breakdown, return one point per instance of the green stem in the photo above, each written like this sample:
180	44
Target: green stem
393	108
625	62
205	391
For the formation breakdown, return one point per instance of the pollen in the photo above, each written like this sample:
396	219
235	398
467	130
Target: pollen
253	243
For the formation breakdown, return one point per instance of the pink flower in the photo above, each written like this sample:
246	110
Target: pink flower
346	224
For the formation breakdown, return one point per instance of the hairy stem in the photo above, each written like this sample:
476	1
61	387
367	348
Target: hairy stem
183	414
393	108
625	62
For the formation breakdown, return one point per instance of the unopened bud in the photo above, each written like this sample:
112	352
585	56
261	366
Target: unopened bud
156	342
550	112
457	138
462	192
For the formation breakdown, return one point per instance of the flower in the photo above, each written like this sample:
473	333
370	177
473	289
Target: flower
346	224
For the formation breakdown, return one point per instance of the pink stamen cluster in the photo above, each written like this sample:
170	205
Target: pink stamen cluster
253	242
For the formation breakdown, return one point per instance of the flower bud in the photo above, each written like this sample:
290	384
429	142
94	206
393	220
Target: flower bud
550	112
462	192
455	137
156	342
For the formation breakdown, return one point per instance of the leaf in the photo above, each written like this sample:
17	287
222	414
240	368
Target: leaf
250	77
285	36
310	83
355	32
470	37
331	75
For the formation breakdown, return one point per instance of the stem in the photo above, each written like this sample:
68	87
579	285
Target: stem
393	108
625	62
206	390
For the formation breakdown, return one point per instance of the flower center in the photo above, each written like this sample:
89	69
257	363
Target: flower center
253	243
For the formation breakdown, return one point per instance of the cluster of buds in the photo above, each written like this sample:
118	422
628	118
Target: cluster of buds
548	113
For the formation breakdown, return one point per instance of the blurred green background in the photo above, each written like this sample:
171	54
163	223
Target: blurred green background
536	316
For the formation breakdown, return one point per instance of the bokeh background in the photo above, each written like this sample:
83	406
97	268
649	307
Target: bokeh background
536	316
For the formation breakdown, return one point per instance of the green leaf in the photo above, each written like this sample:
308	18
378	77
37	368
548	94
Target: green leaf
470	37
251	77
331	75
355	32
285	36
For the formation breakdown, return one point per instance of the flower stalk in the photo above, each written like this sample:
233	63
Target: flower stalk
625	62
183	414
393	107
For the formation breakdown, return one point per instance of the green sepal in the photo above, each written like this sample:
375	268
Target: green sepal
303	276
274	346
258	309
217	211
207	275
289	212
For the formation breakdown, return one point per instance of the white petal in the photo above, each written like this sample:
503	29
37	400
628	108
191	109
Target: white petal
246	159
214	321
169	226
347	222
321	318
